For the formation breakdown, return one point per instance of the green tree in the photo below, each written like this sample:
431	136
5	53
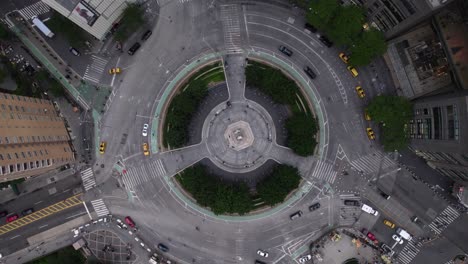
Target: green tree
301	134
132	19
321	13
3	74
4	32
393	113
74	34
369	45
279	184
346	25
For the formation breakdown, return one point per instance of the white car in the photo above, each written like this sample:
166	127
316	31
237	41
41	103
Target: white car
145	130
262	253
305	258
369	210
76	233
398	239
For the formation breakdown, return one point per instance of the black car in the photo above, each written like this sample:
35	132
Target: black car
147	35
326	41
309	72
310	27
352	203
3	213
384	195
314	207
163	247
285	51
259	262
296	215
134	48
27	211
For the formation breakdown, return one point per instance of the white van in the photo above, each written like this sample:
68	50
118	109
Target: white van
369	210
404	234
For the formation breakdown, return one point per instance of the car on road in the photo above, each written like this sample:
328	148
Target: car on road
384	195
27	211
129	221
352	203
12	218
115	70
285	51
146	149
3	213
74	51
305	258
102	147
353	71
134	48
366	115
388	223
309	72
325	41
163	247
371	236
370	133
262	253
314	207
146	35
296	215
366	208
310	27
145	130
360	92
398	239
259	262
343	57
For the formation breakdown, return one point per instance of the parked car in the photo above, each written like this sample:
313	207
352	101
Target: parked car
285	51
259	262
27	211
370	133
343	57
352	203
134	48
3	213
146	35
310	27
102	147
325	41
12	218
314	207
353	71
163	247
146	149
129	221
366	208
145	130
371	236
384	195
398	239
305	258
262	253
388	223
309	72
360	92
74	51
296	215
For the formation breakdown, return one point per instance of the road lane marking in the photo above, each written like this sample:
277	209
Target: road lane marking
38	202
75	215
43	226
15	237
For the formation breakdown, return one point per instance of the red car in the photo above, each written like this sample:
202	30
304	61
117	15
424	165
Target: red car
129	221
12	218
371	236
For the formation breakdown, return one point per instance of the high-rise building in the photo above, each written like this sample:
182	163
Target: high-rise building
439	133
33	138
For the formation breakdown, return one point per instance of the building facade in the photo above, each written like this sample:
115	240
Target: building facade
97	17
33	138
439	133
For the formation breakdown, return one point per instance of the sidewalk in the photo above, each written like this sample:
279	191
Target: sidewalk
35	183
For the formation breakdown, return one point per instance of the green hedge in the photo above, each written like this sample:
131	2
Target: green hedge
276	187
65	255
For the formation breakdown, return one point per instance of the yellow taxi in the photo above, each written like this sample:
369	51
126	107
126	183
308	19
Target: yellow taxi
115	70
102	147
146	149
360	92
366	115
343	57
388	223
370	133
353	71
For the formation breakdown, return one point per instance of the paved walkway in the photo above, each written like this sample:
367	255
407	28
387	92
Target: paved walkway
234	70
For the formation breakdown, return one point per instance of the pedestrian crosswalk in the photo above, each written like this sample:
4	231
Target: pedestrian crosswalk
440	223
183	1
99	207
139	175
409	252
35	9
95	69
372	162
324	171
87	177
7	22
231	28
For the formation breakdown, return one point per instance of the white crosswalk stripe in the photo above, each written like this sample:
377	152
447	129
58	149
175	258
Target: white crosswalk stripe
324	171
409	252
231	28
371	162
35	9
441	222
140	175
183	1
87	177
95	69
7	22
99	207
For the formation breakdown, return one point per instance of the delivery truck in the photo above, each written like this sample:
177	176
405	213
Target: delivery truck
42	27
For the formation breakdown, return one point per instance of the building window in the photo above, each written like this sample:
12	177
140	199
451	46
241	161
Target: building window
8	156
16	155
22	154
1	156
29	153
